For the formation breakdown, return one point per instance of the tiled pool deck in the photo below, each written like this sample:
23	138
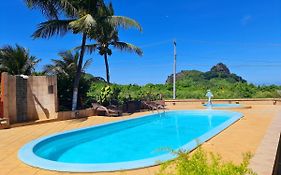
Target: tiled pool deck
263	161
245	135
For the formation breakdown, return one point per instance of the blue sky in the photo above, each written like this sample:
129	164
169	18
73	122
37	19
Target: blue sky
245	35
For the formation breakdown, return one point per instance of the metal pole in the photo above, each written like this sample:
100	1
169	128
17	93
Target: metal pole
175	69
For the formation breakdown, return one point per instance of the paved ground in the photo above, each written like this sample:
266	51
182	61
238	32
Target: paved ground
243	136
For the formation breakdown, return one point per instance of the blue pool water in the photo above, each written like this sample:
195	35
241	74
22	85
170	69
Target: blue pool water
127	144
222	105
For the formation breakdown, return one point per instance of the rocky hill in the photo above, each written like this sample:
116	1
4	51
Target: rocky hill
219	71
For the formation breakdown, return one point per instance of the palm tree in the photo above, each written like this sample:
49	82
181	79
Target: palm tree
82	15
66	65
50	8
65	68
80	18
17	60
106	35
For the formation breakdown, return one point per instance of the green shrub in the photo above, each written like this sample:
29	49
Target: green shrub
65	92
118	94
203	163
186	89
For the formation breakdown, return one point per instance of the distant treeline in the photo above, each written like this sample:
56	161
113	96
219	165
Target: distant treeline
190	84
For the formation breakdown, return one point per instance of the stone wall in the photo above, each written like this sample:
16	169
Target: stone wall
29	99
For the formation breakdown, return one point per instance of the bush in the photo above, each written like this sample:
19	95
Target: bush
201	163
65	92
187	89
119	94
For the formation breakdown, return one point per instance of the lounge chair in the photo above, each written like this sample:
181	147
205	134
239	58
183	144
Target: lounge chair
111	111
160	104
153	105
4	123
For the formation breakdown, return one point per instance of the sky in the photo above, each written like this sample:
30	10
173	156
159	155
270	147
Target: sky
245	35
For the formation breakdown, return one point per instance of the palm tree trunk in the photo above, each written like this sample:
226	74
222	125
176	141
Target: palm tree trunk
78	73
107	68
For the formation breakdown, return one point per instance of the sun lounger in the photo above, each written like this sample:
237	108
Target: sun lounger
153	105
109	111
4	123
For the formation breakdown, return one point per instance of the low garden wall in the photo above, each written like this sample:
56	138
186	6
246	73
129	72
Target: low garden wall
66	115
263	101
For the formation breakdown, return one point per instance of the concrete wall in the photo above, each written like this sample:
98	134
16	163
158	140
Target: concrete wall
29	99
42	97
66	115
8	93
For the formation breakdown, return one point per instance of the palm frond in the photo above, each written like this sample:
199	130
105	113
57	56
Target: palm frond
66	65
124	22
58	62
29	66
123	46
53	70
89	48
17	60
83	24
87	64
49	8
52	27
69	8
66	56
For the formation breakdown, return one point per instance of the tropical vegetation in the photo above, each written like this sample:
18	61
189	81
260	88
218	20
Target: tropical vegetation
191	85
65	69
106	34
202	162
16	60
98	26
81	17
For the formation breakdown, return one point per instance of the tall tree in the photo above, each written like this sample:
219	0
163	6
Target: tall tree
17	60
106	35
81	18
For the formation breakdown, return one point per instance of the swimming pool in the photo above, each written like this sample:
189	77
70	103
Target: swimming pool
127	144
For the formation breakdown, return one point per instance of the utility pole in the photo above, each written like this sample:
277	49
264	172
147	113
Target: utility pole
175	69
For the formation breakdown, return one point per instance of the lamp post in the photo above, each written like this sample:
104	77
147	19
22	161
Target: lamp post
175	69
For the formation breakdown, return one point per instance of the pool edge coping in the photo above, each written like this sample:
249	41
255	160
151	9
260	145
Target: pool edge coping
227	106
263	161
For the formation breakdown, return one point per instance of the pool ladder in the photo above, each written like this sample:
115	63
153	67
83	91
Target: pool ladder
160	112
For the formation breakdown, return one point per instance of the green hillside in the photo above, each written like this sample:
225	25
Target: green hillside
191	84
223	83
219	71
